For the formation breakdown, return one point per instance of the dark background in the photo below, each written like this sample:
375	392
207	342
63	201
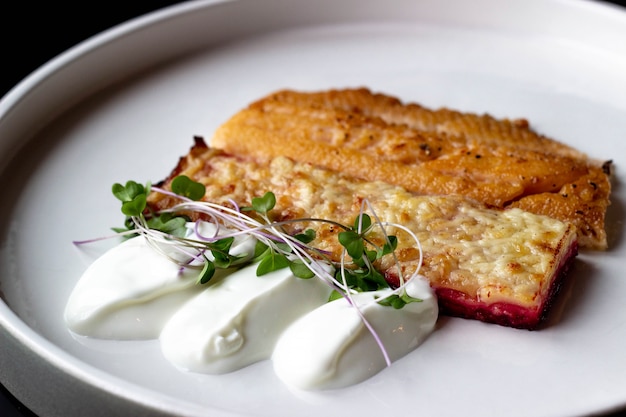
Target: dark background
31	35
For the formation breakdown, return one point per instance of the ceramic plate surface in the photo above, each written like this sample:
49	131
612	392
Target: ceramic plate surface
126	104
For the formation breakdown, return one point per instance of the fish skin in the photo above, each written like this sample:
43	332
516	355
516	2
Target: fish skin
500	162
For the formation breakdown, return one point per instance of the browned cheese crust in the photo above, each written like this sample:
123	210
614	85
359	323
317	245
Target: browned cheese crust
501	163
497	266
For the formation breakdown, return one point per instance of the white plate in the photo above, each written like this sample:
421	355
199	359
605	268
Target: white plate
125	105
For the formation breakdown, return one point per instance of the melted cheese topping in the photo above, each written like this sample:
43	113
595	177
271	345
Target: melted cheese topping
490	256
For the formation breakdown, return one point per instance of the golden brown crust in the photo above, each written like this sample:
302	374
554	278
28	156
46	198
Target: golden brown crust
474	127
375	137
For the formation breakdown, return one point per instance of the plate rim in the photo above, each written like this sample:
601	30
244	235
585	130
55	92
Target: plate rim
11	325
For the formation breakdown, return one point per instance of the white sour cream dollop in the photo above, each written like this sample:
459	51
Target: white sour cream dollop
332	348
236	321
133	292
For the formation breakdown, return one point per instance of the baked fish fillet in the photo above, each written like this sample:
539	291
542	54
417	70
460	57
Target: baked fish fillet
496	266
375	137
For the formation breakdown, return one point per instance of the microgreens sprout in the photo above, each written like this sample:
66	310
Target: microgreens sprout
275	249
167	232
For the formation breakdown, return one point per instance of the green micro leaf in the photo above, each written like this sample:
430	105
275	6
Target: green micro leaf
307	237
390	246
223	244
408	299
207	271
300	269
264	204
283	247
391	301
128	192
260	251
170	224
398	301
350	276
365	281
220	250
134	207
221	259
352	242
335	295
365	221
271	262
372	255
376	279
186	187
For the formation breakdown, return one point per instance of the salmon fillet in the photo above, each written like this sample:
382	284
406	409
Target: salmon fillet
375	137
502	267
